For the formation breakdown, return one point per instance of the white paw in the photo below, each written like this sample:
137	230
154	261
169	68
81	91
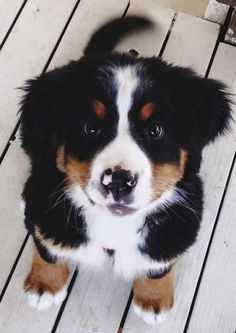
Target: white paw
45	300
150	317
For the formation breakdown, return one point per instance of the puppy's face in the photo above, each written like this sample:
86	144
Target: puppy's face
123	130
122	151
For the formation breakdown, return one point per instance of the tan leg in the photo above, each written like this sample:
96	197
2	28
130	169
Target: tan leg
46	283
153	297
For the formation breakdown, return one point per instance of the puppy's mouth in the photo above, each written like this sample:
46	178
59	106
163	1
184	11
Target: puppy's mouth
120	209
116	208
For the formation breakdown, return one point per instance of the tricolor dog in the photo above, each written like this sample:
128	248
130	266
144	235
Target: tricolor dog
115	143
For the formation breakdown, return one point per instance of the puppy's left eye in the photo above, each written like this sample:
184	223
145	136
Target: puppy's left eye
92	129
154	131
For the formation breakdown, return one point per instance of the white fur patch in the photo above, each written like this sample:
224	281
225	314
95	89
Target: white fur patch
123	151
150	317
127	81
46	300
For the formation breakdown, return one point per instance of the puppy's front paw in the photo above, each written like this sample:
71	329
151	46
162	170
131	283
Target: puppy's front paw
46	283
153	298
43	300
150	317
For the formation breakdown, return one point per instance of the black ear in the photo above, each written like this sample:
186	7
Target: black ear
38	119
202	108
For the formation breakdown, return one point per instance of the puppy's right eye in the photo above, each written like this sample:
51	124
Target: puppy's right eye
92	129
154	132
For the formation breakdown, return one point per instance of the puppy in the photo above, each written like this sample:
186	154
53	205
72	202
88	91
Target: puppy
115	143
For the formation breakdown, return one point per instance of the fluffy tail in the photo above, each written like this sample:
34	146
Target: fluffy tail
106	38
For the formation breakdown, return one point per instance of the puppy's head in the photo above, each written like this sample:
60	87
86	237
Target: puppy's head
122	130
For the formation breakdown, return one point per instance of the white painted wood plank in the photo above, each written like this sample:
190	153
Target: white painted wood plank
97	302
149	41
189	32
25	53
224	65
13	173
8	12
17	316
215	305
99	299
217	159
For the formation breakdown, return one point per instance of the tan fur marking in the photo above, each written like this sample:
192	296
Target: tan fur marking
45	277
99	109
60	159
76	171
49	243
146	111
165	176
154	294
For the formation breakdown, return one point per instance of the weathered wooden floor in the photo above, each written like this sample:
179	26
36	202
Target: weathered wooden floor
37	35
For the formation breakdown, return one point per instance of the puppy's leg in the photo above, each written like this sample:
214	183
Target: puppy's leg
46	283
153	298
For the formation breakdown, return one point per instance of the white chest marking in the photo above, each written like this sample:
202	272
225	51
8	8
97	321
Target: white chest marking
121	234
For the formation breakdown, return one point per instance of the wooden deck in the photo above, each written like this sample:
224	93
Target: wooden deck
37	35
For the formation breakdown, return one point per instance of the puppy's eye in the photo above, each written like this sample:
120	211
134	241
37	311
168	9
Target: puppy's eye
154	131
92	129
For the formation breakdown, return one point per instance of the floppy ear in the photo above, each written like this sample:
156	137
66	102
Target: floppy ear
42	116
202	108
36	119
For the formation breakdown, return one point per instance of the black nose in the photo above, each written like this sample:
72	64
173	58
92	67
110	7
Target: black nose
120	183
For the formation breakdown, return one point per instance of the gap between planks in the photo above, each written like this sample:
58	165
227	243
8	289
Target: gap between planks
9	14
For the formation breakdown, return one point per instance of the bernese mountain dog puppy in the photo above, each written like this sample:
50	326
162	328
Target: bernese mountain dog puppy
115	143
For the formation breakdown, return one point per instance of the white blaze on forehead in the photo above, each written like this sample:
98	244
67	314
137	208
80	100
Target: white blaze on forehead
127	82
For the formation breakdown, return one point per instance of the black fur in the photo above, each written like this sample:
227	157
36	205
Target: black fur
174	229
192	110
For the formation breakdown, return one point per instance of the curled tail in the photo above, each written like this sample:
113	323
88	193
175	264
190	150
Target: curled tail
106	38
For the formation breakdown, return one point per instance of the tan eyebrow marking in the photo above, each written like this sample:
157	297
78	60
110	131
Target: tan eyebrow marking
146	111
99	109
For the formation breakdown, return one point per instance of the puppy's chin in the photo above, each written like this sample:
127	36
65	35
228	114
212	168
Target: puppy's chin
121	210
116	208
